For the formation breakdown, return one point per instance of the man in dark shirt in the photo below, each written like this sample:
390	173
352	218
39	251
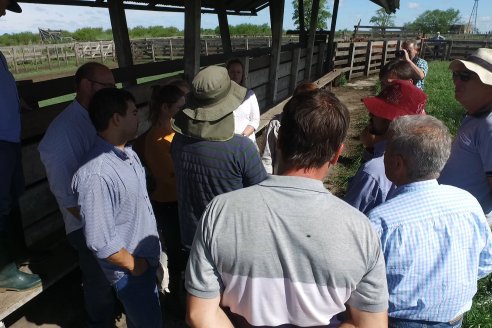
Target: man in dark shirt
209	158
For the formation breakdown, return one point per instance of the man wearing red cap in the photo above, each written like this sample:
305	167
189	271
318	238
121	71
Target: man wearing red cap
12	181
370	187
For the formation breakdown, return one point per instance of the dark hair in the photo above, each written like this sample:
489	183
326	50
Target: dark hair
305	87
180	83
168	94
401	68
233	61
314	125
87	71
107	102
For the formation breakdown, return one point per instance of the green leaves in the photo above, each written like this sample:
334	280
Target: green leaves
323	14
383	19
433	21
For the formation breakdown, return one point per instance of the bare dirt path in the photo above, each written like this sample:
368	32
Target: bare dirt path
61	305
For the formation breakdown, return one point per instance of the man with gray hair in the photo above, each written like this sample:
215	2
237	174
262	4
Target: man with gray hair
435	239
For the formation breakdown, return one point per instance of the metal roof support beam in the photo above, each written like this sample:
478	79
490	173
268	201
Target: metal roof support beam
277	20
120	34
313	22
224	29
192	44
329	64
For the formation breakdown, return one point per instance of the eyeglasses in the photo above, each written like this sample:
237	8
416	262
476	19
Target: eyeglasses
464	76
106	85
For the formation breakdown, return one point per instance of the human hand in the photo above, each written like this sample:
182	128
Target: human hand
140	266
407	56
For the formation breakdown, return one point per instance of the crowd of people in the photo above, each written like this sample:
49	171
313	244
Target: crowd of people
258	241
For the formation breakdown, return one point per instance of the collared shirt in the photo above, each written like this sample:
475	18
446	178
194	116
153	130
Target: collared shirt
287	253
65	144
115	207
422	64
370	187
205	169
10	122
436	243
470	161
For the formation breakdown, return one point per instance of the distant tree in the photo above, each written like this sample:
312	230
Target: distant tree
323	14
383	19
432	21
92	34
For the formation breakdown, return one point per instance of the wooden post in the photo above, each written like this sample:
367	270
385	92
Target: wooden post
245	61
312	34
450	48
421	49
101	48
153	50
225	34
14	58
57	55
269	41
76	54
368	58
385	53
120	36
206	47
321	58
65	55
171	55
331	38
48	55
35	58
351	58
246	42
276	18
192	38
294	69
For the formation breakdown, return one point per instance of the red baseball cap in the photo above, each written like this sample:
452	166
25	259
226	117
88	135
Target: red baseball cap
397	99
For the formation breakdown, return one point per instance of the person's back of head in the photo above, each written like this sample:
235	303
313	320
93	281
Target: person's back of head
305	87
422	142
397	70
106	103
313	127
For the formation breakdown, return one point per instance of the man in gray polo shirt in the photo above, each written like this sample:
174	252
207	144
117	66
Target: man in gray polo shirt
286	252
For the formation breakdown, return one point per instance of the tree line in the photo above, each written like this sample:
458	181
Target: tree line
100	34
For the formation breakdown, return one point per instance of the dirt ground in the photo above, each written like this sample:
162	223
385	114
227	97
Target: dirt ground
62	306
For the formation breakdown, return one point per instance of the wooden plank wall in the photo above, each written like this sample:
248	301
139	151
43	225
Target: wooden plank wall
39	210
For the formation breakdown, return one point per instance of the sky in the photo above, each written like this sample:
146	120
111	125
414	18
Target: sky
70	18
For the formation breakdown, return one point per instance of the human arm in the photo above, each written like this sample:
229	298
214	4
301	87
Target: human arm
421	72
135	265
363	192
204	313
250	164
363	319
254	114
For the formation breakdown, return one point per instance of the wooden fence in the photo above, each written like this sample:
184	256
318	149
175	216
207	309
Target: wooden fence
25	58
452	49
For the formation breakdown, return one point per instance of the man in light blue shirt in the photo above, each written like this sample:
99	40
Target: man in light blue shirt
120	226
11	177
370	187
435	238
66	142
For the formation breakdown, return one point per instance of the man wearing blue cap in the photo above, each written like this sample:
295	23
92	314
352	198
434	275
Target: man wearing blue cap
10	169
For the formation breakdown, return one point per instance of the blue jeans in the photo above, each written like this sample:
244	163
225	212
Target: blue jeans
403	323
140	298
99	298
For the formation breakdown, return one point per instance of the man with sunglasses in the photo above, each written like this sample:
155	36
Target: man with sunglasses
66	142
470	165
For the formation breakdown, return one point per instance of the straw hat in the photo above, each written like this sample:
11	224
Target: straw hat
479	62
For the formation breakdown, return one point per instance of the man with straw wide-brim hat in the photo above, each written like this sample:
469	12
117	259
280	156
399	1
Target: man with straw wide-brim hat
209	159
470	164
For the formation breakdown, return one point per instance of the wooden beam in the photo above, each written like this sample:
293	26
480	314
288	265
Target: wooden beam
192	38
331	38
313	22
277	20
120	35
224	29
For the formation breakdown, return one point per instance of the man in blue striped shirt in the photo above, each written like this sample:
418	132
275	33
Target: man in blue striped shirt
120	226
435	239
